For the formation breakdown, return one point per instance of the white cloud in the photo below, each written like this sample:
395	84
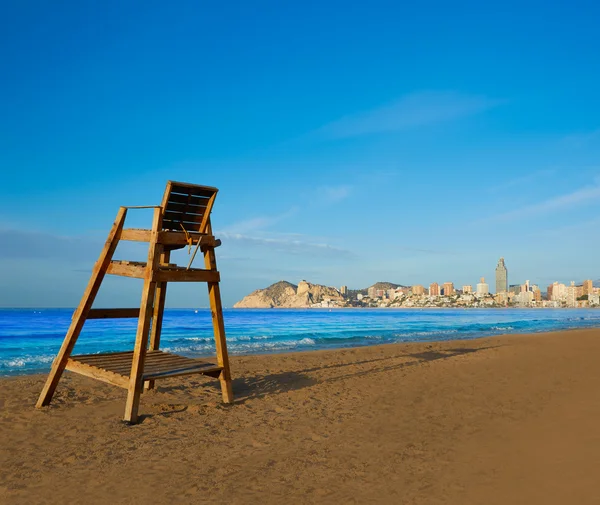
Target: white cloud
260	222
287	245
413	110
581	196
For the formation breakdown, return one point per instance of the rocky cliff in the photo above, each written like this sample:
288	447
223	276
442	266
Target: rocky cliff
284	294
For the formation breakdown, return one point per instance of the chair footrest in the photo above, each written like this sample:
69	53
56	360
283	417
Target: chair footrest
115	367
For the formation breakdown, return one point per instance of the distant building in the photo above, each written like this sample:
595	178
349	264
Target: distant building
537	294
588	287
434	289
549	292
571	297
483	288
448	288
372	292
525	287
418	290
467	289
524	298
344	290
501	277
559	292
515	289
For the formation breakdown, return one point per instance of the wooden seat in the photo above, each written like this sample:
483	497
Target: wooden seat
182	219
115	367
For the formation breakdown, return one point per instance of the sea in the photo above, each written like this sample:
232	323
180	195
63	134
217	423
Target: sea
30	338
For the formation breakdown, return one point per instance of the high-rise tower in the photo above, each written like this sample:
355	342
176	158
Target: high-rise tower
501	277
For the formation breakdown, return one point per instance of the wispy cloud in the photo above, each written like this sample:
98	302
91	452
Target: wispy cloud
522	181
23	244
333	194
413	110
260	222
581	196
288	245
582	139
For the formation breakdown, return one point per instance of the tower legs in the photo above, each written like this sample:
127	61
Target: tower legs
146	310
216	309
80	315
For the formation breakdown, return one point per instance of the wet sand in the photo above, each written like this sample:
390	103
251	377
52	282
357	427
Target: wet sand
502	420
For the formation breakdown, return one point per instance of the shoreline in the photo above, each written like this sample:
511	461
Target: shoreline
494	420
289	354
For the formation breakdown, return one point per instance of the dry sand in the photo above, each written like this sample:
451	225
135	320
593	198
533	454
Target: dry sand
503	420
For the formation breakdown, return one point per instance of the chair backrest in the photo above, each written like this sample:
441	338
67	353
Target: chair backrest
187	206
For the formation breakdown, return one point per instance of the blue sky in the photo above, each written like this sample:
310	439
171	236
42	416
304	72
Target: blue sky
351	142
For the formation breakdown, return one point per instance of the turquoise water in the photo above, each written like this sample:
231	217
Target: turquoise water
29	339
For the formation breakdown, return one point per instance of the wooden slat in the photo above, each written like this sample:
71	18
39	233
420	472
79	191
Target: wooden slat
179	238
195	206
170	237
206	368
191	189
183	275
113	313
97	373
136	235
183	217
176	225
126	269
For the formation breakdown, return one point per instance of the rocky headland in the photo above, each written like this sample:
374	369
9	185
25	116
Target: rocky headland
284	294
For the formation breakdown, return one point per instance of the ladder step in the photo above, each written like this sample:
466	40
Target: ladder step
113	313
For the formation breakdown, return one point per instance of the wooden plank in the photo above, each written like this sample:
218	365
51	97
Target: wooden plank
113	313
183	217
187	207
183	275
185	199
192	189
136	235
98	374
82	310
136	381
176	225
216	309
203	368
179	238
170	237
126	270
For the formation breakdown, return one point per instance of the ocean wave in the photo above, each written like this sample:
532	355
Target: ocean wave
25	361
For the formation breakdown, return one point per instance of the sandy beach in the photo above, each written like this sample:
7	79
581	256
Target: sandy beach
501	420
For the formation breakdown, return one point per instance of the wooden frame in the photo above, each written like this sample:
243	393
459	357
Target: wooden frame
190	206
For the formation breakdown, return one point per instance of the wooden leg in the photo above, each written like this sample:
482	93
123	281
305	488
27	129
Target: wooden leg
139	353
157	315
146	307
214	294
80	315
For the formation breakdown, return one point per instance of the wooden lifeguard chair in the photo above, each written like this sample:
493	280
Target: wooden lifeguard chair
183	219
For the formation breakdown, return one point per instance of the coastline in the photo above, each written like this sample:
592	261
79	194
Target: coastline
495	420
